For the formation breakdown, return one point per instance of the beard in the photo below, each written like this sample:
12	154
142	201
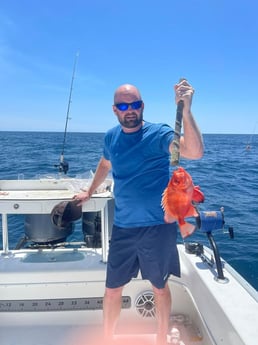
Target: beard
131	119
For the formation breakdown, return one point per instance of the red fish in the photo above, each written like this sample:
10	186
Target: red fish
177	200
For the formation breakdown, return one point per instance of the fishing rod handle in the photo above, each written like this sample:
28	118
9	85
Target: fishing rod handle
175	155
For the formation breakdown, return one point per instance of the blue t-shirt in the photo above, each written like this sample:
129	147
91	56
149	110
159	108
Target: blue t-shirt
140	168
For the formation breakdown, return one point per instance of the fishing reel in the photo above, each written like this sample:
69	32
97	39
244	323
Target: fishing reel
207	221
63	166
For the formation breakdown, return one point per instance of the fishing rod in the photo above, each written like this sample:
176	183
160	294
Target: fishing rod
202	222
175	155
248	144
63	166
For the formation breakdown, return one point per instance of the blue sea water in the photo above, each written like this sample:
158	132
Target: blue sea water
227	174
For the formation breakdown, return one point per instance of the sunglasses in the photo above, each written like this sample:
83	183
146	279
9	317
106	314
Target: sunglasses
124	106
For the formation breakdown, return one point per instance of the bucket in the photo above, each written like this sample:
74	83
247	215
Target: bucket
40	229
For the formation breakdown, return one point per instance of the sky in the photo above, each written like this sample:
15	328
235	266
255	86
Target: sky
151	44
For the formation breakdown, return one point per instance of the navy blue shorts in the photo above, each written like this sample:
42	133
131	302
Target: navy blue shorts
150	249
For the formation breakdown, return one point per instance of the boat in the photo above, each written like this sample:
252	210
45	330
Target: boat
51	288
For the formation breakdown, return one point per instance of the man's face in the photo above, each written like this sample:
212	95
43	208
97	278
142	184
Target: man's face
130	117
128	108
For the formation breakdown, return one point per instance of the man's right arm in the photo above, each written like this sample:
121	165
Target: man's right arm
101	173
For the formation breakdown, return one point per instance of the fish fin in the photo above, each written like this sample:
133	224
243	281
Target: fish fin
169	219
195	213
192	212
186	229
164	199
198	195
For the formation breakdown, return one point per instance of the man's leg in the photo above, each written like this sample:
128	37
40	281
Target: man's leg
163	309
111	310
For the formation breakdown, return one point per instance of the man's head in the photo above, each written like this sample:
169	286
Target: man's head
128	107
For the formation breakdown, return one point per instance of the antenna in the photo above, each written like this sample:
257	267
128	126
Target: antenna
63	165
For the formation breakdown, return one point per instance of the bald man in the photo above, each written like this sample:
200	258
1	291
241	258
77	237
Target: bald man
138	154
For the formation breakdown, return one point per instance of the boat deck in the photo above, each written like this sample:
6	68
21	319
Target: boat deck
63	301
54	295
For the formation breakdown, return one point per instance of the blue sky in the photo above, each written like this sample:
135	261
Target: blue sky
151	44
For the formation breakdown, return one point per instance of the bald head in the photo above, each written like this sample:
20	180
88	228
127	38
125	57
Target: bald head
126	93
130	115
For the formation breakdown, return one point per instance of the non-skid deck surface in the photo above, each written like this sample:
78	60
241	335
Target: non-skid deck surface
181	334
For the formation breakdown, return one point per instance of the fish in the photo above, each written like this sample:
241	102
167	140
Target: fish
177	200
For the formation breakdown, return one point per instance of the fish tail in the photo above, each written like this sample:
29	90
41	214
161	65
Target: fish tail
186	229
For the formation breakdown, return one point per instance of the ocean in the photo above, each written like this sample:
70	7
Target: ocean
227	174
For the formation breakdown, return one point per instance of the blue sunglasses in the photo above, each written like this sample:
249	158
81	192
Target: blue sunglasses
124	106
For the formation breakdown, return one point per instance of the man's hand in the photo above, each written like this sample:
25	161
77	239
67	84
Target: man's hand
184	91
82	197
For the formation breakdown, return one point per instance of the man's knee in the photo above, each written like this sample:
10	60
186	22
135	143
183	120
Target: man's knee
161	291
114	292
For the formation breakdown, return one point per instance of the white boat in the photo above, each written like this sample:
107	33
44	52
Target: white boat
51	290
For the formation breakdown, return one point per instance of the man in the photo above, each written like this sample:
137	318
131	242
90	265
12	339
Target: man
138	154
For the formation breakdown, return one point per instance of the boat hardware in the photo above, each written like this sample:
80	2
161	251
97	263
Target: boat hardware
145	304
207	221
